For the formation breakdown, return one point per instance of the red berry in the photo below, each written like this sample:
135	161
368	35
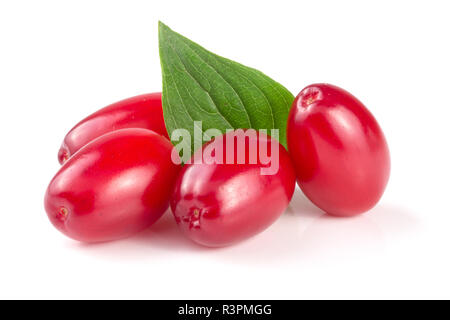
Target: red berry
116	185
217	204
143	111
338	149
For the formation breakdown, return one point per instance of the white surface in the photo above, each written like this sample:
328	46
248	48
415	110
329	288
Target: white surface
61	60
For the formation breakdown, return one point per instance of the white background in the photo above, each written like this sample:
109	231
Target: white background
62	60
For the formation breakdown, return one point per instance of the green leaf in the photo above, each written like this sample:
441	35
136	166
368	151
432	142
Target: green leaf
199	85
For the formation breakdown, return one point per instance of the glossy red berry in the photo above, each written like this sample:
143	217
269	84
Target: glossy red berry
338	149
143	111
217	204
113	187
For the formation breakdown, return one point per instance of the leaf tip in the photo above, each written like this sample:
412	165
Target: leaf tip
162	27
